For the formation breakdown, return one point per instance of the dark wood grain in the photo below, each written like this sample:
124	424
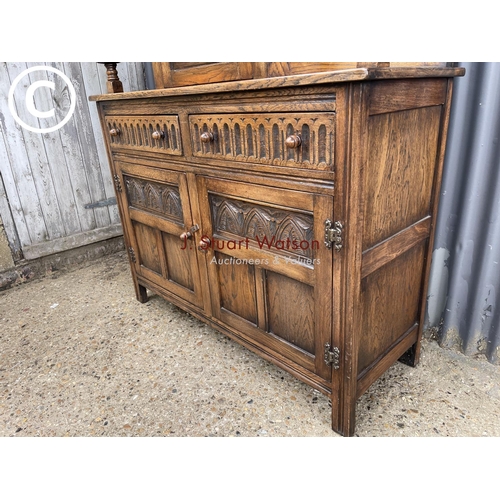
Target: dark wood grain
261	138
380	179
147	247
177	74
157	198
258	84
438	174
390	304
157	209
385	360
113	83
398	95
347	268
393	247
269	276
174	74
415	72
296	68
237	287
345	75
178	260
399	173
138	132
295	325
198	261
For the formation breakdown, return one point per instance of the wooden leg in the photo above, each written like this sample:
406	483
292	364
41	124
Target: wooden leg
412	356
343	415
347	427
141	293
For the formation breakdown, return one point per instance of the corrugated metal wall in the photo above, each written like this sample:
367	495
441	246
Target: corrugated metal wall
464	288
51	182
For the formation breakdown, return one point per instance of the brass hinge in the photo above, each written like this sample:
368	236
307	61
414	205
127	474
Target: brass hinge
118	184
333	234
332	357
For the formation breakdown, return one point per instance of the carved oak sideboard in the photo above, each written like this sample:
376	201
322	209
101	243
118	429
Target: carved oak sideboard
294	214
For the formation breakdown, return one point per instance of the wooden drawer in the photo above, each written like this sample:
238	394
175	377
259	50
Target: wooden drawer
301	140
145	133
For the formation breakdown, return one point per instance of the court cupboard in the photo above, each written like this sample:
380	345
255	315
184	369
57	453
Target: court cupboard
290	206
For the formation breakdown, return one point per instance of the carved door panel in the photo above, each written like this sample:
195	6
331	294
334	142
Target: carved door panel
269	270
157	207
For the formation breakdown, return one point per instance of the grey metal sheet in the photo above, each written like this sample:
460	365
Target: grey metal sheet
464	286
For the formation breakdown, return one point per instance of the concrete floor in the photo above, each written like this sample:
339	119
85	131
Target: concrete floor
79	356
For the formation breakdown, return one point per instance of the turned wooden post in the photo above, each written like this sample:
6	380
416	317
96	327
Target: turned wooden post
113	84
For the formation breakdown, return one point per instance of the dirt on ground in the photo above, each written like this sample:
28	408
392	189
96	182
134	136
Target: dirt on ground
79	356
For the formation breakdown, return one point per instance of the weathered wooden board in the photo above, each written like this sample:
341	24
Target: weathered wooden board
49	178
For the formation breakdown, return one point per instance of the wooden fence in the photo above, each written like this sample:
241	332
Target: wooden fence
56	191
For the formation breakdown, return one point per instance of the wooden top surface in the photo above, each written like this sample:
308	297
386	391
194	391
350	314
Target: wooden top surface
348	75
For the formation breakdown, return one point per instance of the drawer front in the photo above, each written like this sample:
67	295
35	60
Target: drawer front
300	140
160	133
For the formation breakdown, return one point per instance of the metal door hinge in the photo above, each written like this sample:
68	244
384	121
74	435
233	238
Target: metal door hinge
332	357
102	203
118	184
333	234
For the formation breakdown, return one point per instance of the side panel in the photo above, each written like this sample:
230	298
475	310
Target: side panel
406	130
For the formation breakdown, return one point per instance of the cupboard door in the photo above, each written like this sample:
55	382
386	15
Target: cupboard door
157	213
269	270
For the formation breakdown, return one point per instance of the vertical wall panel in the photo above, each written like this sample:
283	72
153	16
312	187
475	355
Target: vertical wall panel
465	276
49	178
16	170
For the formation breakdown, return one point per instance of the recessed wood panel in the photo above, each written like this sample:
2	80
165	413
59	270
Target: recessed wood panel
399	172
178	260
290	310
389	304
237	286
147	241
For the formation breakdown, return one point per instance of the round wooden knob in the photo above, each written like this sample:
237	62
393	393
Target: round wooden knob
114	132
207	137
293	141
205	243
156	135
